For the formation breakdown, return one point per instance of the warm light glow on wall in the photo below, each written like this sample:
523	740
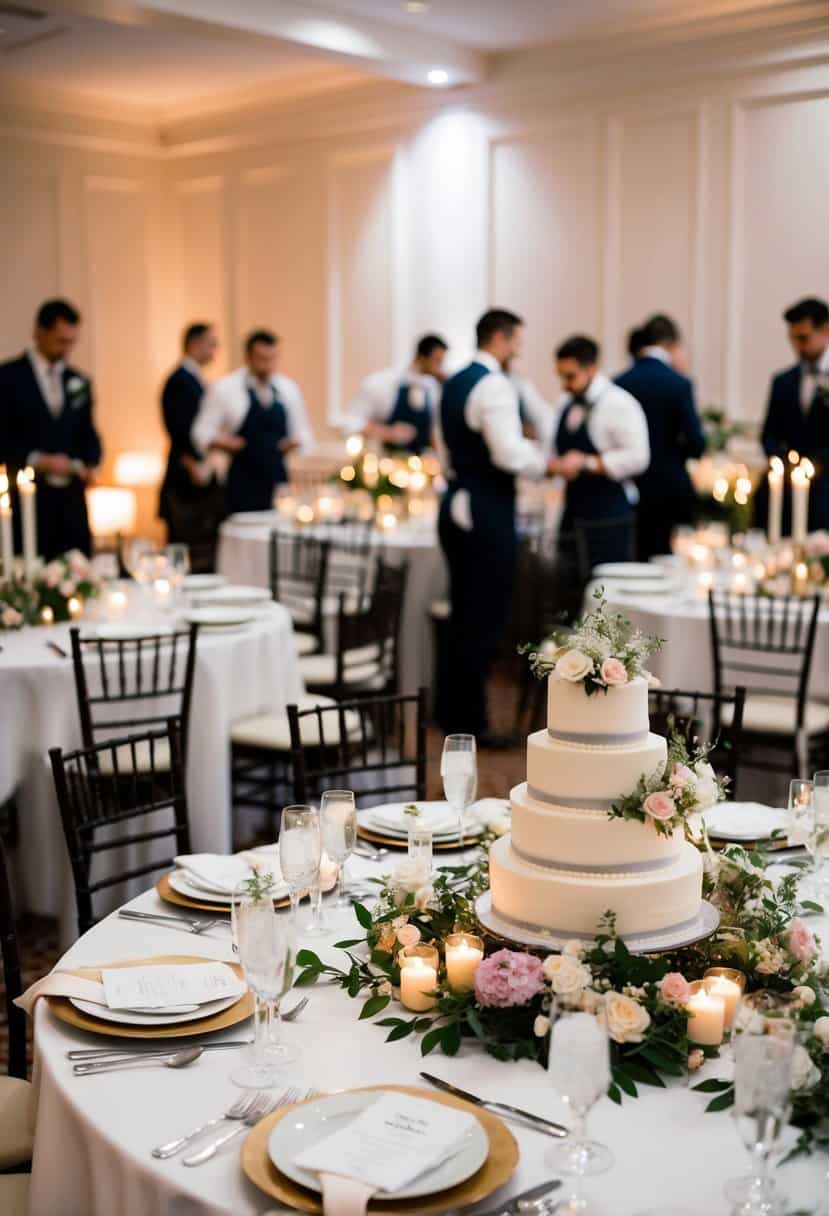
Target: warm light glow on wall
138	468
112	511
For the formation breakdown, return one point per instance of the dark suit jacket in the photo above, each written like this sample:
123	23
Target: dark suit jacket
787	427
180	399
673	426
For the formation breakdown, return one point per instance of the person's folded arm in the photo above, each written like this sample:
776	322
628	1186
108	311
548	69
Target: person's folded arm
210	421
629	451
500	426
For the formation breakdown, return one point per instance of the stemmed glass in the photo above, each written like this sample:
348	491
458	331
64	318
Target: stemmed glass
136	551
338	813
178	564
459	770
762	1082
300	852
803	825
579	1068
266	951
821	800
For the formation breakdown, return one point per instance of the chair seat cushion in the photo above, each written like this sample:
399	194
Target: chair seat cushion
272	732
14	1194
15	1131
304	643
160	758
772	715
362	667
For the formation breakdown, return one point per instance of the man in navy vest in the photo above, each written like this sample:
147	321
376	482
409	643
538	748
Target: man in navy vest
797	418
187	479
46	422
485	450
666	495
398	407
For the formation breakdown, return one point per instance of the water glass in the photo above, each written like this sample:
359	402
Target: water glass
803	825
762	1082
821	800
459	770
338	814
178	564
300	851
265	948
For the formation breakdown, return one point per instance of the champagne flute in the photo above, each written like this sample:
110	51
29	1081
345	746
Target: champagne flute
300	852
338	813
178	564
821	800
459	770
266	952
762	1083
803	825
579	1068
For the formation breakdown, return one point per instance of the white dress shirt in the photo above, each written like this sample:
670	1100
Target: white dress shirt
194	368
226	402
656	352
49	377
541	414
618	430
377	395
808	380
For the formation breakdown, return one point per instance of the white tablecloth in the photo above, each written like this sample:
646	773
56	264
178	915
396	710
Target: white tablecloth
244	558
237	674
94	1134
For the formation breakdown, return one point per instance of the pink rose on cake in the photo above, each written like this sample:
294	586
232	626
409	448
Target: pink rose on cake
659	805
682	775
508	977
674	988
574	666
802	941
613	672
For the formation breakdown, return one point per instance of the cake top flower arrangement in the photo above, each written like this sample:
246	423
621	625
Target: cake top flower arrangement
603	651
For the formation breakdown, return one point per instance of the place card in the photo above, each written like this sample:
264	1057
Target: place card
391	1142
161	986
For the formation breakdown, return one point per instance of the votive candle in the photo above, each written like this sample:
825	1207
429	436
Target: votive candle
706	1016
728	983
463	952
47	616
74	606
418	977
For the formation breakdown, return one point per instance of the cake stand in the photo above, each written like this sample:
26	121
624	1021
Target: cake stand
703	925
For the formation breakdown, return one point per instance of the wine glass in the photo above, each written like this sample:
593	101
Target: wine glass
459	770
136	549
762	1082
266	951
821	799
178	564
338	813
579	1068
803	825
300	851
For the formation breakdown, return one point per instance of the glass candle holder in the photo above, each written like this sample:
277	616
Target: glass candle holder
420	845
463	953
706	1016
729	984
419	967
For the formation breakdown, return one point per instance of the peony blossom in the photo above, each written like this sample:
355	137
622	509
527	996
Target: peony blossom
674	988
805	1074
408	935
801	941
566	975
508	977
659	805
573	666
613	672
627	1020
541	1026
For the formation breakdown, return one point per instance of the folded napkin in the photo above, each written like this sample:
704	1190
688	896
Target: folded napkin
345	1196
438	817
744	820
60	983
220	874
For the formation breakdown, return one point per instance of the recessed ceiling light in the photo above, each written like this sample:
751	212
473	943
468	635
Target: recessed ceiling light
437	76
416	6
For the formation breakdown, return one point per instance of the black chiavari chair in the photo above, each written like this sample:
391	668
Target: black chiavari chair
15	1018
15	1091
119	795
298	576
767	643
711	719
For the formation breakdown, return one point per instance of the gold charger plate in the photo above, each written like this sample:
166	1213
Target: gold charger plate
166	892
63	1008
395	842
496	1170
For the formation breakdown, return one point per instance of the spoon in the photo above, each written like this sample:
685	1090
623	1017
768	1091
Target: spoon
179	1059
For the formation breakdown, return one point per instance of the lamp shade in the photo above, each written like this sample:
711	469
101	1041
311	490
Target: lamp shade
111	510
138	468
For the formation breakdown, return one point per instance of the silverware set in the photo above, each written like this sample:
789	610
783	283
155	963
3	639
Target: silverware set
180	1058
364	849
180	922
254	1109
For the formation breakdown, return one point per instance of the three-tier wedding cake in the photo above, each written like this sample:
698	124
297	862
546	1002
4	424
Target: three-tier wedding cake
567	861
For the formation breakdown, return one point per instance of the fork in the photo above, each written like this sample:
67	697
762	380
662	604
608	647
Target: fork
262	1106
187	926
239	1110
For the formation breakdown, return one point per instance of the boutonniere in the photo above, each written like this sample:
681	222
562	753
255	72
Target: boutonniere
76	391
822	390
417	397
575	417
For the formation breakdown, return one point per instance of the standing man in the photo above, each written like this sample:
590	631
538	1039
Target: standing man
601	444
485	451
798	411
398	407
187	479
46	422
258	416
666	495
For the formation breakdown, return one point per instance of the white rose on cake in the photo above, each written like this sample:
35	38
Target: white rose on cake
574	666
627	1020
566	975
706	784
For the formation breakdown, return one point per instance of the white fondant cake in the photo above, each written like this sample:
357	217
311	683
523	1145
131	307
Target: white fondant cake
566	863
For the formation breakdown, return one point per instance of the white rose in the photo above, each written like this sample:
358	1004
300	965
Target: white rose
821	1030
500	827
805	1074
706	784
770	958
541	1026
408	878
549	648
566	975
574	666
590	1001
74	383
804	995
627	1021
424	896
384	988
575	948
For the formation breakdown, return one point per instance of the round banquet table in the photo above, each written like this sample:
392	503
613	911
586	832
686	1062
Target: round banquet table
94	1134
243	557
238	673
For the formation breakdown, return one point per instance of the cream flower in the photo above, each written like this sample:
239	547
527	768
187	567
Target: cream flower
627	1020
575	948
407	878
574	666
500	826
706	784
821	1031
804	995
805	1075
423	896
696	1058
566	975
541	1026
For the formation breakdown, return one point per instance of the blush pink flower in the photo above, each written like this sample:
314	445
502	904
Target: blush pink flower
675	988
801	941
681	776
613	672
408	935
659	805
508	978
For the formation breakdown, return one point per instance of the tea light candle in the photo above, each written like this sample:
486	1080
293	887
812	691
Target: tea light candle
739	583
26	493
354	445
464	952
305	514
116	605
47	616
388	520
6	540
729	984
706	1016
74	606
418	977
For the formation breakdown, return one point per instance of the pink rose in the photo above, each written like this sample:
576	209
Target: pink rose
675	988
508	977
613	672
653	681
801	941
67	588
659	805
408	935
681	775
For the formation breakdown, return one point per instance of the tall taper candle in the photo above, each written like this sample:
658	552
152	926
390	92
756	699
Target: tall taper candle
776	476
6	540
26	492
800	505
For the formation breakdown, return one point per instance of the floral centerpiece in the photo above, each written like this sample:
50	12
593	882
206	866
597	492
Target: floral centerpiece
56	593
685	785
393	475
601	652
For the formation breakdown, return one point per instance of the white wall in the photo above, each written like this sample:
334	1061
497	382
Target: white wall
582	198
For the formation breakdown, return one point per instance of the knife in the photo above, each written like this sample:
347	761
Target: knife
100	1053
511	1112
510	1206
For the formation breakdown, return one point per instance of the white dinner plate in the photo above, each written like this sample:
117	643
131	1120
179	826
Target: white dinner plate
375	818
315	1121
204	582
231	596
643	586
253	517
121	632
127	1017
744	821
623	570
219	618
184	885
